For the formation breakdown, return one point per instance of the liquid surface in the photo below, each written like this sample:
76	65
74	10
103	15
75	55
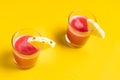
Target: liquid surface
79	23
23	46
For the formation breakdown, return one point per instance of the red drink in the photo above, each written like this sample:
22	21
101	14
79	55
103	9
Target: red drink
82	24
77	32
25	54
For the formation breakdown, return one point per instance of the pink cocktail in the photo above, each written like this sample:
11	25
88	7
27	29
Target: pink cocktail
78	30
25	54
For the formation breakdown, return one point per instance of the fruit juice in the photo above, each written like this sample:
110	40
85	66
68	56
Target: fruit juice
77	32
25	54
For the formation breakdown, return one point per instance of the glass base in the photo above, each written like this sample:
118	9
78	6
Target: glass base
21	67
71	44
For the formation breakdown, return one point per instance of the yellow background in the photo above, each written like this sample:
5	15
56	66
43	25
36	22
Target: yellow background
98	60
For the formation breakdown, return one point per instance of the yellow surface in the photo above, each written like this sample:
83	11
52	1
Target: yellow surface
97	60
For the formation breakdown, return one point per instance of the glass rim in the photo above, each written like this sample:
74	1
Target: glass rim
12	39
78	10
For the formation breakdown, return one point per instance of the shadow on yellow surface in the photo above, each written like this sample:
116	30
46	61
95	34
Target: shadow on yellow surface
7	60
60	38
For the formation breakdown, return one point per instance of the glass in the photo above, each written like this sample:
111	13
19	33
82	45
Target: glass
28	59
74	37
